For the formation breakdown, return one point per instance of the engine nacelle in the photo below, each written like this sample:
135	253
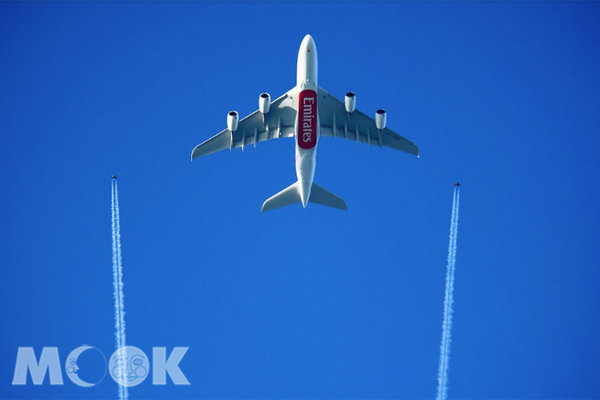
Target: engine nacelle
350	102
232	120
380	119
264	102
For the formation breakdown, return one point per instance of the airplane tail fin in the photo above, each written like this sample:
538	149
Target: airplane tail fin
291	195
324	197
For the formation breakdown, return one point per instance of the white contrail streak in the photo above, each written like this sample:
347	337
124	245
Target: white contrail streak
442	390
118	278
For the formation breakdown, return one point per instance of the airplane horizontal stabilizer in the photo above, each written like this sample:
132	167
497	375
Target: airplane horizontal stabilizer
324	197
289	195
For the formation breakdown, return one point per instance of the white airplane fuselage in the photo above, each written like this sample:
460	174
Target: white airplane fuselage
297	114
307	120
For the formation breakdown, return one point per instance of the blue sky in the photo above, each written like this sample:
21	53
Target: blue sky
315	303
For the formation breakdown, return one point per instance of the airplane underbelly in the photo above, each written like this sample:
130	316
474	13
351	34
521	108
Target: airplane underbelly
307	119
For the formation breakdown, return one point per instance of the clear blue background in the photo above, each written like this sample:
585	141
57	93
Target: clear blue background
503	97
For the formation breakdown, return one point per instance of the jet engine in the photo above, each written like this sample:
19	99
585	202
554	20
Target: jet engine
264	102
350	102
380	119
232	120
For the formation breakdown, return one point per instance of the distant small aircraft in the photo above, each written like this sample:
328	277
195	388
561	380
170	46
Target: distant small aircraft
114	177
456	184
306	112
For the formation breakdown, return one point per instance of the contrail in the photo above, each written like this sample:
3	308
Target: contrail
442	390
118	277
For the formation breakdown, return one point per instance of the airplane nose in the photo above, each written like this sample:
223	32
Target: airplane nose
308	42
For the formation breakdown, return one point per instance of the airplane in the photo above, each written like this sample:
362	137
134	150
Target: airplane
305	112
456	184
114	177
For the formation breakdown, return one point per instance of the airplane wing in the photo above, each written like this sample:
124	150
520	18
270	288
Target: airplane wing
336	122
278	122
